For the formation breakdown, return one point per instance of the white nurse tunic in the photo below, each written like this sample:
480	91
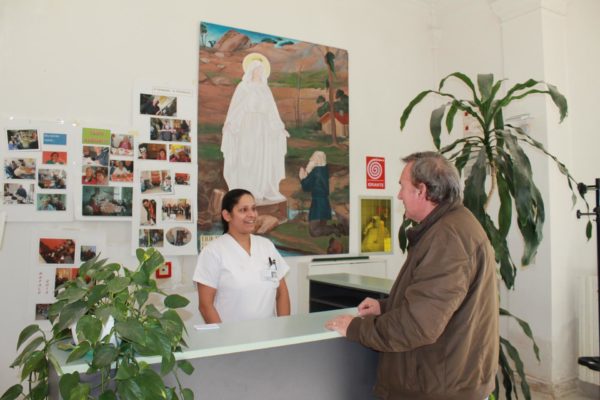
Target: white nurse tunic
243	292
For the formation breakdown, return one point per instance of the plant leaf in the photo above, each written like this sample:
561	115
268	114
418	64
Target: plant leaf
435	125
67	383
450	116
118	284
466	80
411	105
176	301
104	355
528	200
484	83
186	367
167	363
89	328
71	313
131	330
108	395
526	330
12	393
588	230
26	333
187	394
516	358
559	100
508	375
36	362
79	351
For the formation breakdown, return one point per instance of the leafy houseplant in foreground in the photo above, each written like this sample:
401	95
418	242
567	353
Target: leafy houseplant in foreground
107	292
497	157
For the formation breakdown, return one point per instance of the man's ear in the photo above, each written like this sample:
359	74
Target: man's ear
422	189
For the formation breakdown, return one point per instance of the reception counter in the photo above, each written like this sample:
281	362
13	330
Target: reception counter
288	358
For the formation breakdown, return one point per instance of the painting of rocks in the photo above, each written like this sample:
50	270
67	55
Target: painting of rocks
273	118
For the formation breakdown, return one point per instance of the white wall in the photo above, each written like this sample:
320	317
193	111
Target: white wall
77	60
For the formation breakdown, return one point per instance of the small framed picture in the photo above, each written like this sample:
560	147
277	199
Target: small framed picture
164	271
376	223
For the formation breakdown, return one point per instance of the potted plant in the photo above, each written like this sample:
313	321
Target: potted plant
103	292
497	160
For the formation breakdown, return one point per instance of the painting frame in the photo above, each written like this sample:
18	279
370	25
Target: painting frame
376	225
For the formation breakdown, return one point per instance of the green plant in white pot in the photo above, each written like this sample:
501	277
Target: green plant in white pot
101	293
500	168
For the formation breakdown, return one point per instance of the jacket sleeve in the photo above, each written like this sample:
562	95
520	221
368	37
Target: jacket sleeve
419	316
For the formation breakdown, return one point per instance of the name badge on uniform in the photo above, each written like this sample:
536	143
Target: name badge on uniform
270	273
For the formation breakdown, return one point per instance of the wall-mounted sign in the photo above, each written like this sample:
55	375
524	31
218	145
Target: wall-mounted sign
375	172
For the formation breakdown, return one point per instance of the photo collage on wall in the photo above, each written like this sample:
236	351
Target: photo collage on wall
36	174
56	256
106	171
165	199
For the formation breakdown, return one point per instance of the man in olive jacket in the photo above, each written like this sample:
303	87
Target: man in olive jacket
438	329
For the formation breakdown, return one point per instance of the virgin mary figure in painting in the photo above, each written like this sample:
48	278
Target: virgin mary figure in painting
254	140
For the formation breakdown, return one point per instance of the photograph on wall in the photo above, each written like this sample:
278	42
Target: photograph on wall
106	201
170	130
55	178
95	155
22	139
181	178
17	193
178	236
151	238
63	275
54	157
375	225
156	182
94	175
176	209
19	168
57	250
51	202
180	153
152	151
121	145
273	118
87	252
121	171
41	311
148	212
158	105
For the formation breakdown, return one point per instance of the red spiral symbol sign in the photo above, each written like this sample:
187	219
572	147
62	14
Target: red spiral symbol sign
375	168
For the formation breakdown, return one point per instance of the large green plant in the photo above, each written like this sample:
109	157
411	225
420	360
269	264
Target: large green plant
105	292
498	165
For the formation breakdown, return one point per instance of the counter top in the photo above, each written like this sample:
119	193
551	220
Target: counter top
379	285
236	337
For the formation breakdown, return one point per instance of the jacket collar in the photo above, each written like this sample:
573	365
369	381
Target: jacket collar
415	233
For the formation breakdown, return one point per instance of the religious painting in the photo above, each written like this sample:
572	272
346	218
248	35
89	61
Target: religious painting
375	225
273	117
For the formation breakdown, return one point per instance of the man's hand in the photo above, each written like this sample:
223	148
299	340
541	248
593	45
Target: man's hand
339	324
369	306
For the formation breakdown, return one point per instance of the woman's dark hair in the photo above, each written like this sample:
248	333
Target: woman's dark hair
230	200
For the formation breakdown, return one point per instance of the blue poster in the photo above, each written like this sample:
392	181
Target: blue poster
55	138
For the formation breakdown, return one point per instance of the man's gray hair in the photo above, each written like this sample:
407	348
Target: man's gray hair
438	174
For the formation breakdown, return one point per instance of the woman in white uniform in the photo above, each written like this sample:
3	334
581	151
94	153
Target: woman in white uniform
240	276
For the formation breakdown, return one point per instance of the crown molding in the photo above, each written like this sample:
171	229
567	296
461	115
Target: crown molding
509	9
